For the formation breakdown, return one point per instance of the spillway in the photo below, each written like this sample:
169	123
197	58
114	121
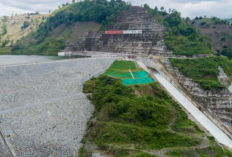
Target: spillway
230	88
196	113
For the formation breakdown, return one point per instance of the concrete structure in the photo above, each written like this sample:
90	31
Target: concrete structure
35	98
150	41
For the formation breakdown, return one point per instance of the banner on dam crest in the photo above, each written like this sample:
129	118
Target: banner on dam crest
124	32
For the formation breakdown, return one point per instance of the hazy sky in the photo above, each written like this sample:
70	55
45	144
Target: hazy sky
188	8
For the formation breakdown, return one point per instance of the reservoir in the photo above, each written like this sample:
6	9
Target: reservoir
23	59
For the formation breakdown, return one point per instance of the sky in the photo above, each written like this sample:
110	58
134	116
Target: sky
188	8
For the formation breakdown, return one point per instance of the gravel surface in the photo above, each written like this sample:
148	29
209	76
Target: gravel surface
43	106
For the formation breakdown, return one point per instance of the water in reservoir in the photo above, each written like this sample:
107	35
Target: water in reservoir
201	118
22	59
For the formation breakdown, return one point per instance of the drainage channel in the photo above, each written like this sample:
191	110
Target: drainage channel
199	116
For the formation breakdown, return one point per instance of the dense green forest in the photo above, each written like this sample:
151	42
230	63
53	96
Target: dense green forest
181	37
100	11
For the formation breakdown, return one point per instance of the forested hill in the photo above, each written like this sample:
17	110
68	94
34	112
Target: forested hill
14	27
54	34
72	21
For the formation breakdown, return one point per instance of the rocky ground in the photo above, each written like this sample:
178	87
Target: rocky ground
43	107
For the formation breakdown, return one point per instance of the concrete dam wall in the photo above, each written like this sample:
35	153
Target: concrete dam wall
43	107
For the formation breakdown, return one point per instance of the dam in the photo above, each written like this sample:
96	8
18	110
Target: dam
43	108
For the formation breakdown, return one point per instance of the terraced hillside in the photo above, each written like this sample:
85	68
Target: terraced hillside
136	18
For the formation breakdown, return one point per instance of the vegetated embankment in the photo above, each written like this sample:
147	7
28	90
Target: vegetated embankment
140	121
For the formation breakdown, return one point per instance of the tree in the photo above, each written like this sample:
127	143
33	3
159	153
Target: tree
73	1
203	23
162	8
146	6
156	9
174	19
223	39
25	25
169	10
4	29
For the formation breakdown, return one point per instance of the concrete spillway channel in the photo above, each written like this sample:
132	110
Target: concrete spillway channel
196	113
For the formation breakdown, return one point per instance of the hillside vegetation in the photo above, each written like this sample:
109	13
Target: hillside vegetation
140	121
44	42
15	27
220	31
181	38
204	70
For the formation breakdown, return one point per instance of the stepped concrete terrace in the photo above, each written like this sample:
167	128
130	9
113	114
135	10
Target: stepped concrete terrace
43	107
136	18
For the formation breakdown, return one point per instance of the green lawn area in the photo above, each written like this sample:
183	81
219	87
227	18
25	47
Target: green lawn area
120	70
123	65
204	70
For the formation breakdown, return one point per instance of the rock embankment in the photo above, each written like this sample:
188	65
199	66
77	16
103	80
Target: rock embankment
217	102
43	107
150	41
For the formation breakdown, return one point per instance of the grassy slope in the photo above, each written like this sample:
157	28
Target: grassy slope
184	46
204	70
216	32
14	24
72	33
58	38
136	120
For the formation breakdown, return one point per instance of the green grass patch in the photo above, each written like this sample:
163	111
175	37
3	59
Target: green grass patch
204	70
120	70
144	155
210	151
123	65
114	133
